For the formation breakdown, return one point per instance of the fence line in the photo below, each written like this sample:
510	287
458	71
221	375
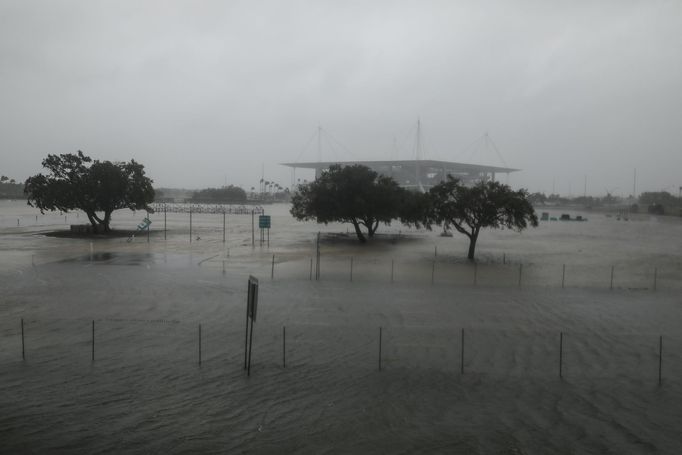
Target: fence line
420	270
400	347
229	209
416	270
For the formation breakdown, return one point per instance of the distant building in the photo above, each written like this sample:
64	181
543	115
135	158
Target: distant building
417	174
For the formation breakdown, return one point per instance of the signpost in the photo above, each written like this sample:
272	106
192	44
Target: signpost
144	225
263	224
251	311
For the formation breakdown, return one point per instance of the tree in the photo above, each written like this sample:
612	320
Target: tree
349	194
658	197
537	198
75	181
9	189
227	194
487	204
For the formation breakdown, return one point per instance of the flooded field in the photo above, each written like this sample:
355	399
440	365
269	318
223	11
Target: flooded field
554	342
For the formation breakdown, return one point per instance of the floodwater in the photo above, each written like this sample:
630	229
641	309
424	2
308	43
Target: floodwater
401	346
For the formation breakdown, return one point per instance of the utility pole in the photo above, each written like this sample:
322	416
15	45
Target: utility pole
418	155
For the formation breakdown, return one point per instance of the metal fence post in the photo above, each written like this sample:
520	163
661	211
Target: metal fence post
660	358
461	356
351	268
561	353
380	330
23	352
93	340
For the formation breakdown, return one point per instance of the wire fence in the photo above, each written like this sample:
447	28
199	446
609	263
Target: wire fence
229	209
573	354
425	271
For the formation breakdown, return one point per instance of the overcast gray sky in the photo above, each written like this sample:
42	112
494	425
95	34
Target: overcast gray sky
203	92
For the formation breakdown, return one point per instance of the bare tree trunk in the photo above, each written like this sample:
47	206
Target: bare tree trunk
472	246
93	220
106	221
358	232
372	228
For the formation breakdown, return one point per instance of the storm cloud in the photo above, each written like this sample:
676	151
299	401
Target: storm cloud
204	93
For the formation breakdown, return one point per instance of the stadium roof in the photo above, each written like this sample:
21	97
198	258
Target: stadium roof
418	174
460	167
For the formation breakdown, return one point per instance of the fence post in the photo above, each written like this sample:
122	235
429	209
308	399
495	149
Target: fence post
660	358
563	276
93	340
311	269
379	348
317	263
461	356
611	285
190	223
272	271
351	268
561	354
23	352
248	369
284	347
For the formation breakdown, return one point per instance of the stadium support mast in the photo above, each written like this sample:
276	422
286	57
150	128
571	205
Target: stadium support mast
418	157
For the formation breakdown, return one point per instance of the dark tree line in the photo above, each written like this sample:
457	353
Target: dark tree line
357	195
10	189
227	194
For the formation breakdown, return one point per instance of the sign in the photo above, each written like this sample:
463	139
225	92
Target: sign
264	221
144	224
252	298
